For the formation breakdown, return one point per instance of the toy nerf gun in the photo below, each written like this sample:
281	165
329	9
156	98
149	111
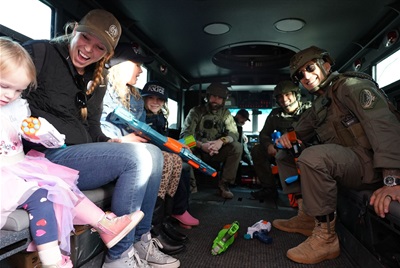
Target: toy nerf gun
274	136
225	238
260	231
120	115
39	130
263	236
258	226
189	141
296	150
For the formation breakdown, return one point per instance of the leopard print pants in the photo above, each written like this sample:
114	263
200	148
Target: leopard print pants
171	174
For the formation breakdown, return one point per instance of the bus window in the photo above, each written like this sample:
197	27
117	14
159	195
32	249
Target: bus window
31	18
260	118
142	79
387	70
173	114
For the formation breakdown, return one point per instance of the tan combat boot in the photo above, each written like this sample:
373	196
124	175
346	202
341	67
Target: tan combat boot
301	223
322	245
224	190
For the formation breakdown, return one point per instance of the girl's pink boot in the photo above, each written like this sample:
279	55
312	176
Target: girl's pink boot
187	221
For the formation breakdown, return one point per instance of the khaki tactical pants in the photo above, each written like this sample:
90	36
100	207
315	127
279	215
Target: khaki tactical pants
230	154
323	167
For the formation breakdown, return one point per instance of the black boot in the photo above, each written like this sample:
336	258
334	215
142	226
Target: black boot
169	246
167	225
170	230
265	193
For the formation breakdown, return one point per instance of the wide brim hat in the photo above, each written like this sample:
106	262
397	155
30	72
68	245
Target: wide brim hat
103	25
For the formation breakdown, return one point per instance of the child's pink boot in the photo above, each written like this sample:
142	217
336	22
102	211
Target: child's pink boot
112	228
186	220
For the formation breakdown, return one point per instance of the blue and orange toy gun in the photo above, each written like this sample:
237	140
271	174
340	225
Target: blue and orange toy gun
122	116
296	151
225	238
274	136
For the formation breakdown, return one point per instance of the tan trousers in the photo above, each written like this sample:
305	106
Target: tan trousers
323	167
230	154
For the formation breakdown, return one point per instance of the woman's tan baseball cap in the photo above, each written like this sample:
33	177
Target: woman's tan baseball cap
103	25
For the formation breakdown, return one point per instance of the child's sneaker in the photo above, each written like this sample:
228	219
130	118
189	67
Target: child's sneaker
147	249
112	228
129	258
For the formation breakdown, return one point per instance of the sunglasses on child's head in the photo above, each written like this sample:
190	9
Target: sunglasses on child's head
80	97
309	69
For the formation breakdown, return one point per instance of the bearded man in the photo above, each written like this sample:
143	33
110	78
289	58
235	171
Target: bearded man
215	131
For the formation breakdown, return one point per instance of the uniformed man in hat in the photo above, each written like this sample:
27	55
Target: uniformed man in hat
241	117
356	127
216	134
290	106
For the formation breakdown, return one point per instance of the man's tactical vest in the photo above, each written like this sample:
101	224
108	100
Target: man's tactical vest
346	127
211	125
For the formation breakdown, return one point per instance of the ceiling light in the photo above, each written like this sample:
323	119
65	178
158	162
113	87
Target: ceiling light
357	64
217	28
289	25
391	38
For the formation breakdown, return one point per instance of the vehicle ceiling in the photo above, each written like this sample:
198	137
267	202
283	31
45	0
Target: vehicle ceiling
172	30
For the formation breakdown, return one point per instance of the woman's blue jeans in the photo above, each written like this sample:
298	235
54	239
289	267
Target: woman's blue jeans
135	167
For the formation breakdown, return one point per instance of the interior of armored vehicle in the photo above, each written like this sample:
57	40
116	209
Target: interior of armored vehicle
246	45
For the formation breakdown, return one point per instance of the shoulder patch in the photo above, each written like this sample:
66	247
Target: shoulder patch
367	99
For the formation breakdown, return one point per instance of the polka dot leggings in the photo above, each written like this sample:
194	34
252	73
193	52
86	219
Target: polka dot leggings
42	219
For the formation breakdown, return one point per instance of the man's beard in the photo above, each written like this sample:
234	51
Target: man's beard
215	106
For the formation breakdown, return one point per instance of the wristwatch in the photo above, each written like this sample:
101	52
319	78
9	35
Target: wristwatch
391	181
224	140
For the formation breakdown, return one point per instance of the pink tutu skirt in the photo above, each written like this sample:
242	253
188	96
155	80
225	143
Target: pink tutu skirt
20	180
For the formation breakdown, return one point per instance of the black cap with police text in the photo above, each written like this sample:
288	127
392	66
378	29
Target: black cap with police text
155	88
244	113
128	52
